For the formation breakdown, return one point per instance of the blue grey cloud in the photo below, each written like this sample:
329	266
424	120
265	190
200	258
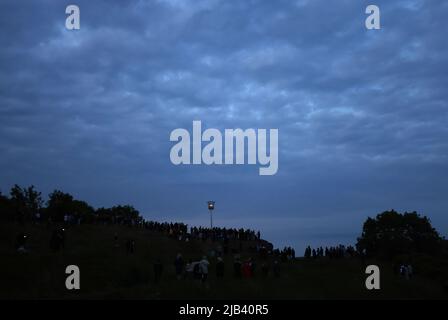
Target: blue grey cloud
362	114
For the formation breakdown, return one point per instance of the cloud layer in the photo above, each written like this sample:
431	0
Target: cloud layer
361	114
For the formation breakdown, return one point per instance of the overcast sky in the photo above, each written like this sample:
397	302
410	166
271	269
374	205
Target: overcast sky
362	114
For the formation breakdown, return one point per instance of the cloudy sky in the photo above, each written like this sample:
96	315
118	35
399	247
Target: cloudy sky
362	114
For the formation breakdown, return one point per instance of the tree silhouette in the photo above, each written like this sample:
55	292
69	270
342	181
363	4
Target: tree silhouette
392	233
59	204
6	210
25	202
82	211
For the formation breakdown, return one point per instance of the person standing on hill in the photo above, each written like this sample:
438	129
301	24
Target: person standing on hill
57	240
116	245
237	267
276	268
246	269
264	269
204	268
130	246
189	268
179	266
21	243
410	271
308	252
252	266
197	272
220	268
158	270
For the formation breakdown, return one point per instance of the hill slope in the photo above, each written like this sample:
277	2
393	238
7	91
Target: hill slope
108	271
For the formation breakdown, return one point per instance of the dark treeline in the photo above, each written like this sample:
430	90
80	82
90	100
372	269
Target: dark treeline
25	205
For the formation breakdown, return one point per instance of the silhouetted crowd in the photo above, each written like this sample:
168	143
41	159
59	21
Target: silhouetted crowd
180	232
336	252
173	229
286	254
199	269
223	234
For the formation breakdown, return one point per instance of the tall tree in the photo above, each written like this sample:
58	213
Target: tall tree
82	211
59	204
392	233
6	210
26	202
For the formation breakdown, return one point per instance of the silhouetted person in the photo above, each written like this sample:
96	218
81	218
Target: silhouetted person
220	268
189	269
410	271
130	246
406	271
237	268
396	268
179	265
226	246
308	252
252	266
276	268
264	269
116	240
204	268
246	269
158	270
62	237
363	256
21	243
197	272
37	218
263	252
57	240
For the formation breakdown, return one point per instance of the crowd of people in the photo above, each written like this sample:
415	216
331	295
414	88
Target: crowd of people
286	254
270	260
405	270
222	234
182	232
173	229
56	243
333	252
176	229
199	269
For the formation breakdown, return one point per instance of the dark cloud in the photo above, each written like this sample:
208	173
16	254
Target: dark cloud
361	114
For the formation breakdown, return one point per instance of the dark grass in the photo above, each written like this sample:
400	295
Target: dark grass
109	273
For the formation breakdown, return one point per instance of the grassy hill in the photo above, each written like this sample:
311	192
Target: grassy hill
108	272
